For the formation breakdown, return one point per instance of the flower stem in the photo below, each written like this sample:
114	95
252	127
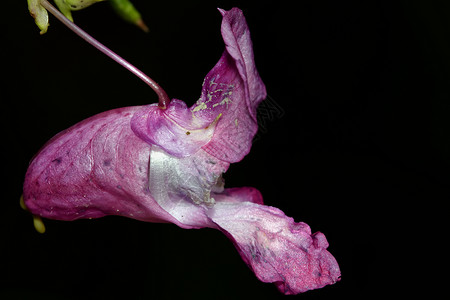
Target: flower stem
163	99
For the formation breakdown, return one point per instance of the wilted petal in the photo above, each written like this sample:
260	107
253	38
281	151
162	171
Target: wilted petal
276	248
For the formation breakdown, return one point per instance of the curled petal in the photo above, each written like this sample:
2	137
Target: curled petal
236	36
276	248
173	129
233	88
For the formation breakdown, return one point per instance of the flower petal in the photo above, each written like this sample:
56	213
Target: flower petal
236	36
173	129
276	248
234	89
182	186
95	168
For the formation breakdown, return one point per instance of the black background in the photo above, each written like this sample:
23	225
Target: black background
360	151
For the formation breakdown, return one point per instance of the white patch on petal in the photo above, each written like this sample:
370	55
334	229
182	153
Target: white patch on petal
183	185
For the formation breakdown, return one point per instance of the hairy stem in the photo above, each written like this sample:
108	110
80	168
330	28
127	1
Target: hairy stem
163	99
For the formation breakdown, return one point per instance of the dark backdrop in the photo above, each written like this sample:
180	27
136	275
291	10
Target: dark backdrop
354	141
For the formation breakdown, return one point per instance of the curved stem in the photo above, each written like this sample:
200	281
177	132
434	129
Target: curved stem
163	99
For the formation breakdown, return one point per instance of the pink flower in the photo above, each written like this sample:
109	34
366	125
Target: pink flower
166	165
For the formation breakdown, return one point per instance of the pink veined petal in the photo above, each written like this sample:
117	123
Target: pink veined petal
95	168
236	36
99	167
233	87
276	248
